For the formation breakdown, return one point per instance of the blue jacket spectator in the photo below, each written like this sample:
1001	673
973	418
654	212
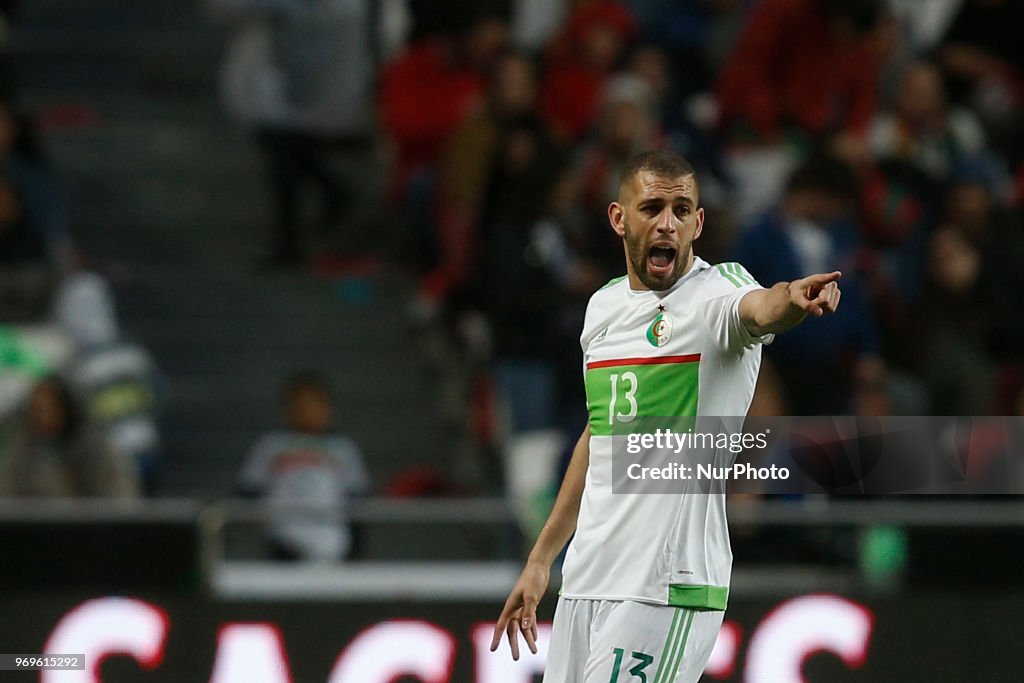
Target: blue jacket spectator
811	233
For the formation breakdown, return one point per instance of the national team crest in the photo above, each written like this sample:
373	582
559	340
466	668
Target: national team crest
660	330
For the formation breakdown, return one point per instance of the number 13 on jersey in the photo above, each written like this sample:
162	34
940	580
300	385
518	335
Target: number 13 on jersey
620	391
630	384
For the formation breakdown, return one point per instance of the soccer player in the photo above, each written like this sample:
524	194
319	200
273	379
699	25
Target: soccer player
646	578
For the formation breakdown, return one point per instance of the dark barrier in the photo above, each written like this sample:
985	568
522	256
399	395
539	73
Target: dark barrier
59	545
110	555
936	638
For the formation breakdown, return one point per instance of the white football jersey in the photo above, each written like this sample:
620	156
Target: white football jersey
678	353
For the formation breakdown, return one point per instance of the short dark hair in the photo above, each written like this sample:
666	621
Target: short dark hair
661	162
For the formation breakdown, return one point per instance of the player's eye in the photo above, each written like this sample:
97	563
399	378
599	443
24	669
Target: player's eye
682	210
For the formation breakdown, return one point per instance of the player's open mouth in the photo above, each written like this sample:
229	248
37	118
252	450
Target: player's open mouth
661	259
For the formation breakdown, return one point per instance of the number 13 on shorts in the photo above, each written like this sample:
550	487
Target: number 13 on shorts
671	655
637	671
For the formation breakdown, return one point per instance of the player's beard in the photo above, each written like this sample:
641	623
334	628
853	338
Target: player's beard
637	250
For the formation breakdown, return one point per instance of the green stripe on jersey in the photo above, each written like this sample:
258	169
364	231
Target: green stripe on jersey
741	274
613	281
727	274
698	597
736	274
619	394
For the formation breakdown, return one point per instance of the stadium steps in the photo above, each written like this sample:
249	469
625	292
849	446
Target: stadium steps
166	198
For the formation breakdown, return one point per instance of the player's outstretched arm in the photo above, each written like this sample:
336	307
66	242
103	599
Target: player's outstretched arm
775	310
520	612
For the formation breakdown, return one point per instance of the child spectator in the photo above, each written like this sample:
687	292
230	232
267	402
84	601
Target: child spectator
306	474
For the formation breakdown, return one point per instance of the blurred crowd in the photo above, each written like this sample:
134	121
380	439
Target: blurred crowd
883	138
78	401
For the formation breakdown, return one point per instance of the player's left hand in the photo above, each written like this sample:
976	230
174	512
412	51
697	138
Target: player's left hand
520	612
816	294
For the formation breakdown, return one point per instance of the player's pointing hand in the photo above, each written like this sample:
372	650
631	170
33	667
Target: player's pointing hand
816	294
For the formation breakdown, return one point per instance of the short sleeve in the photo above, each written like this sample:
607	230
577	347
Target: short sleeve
355	480
729	283
255	474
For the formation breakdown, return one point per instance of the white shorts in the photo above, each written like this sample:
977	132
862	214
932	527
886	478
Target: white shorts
609	641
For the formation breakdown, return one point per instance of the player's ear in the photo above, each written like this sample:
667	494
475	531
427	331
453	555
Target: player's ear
617	216
700	223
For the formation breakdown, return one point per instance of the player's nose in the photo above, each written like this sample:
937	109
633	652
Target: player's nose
666	222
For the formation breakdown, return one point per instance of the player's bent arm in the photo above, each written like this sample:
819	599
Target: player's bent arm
785	305
520	611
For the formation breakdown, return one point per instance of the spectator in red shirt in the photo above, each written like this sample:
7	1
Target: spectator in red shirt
579	61
426	93
432	86
811	64
423	96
